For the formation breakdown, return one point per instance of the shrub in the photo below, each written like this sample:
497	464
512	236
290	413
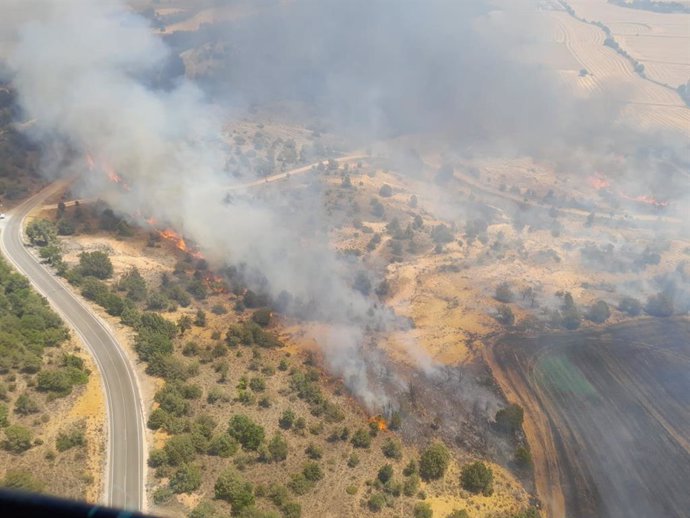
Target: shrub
23	480
434	462
599	312
287	419
510	418
162	495
223	446
278	447
411	485
523	457
505	315
231	487
4	412
504	293
376	502
385	473
180	449
262	317
312	472
299	484
386	191
458	513
249	434
25	405
630	306
17	439
95	264
353	460
70	439
477	478
313	451
422	510
659	305
186	479
361	439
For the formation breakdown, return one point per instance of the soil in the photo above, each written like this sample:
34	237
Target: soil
616	407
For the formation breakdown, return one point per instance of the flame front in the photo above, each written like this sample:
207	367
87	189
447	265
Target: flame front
380	422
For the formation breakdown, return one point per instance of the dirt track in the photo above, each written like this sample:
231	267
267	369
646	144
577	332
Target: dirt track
609	417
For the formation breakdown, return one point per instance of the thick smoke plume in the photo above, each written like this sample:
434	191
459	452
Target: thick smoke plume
88	74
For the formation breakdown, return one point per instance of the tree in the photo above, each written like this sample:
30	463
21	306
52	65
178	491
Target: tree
262	317
571	315
287	419
505	315
504	293
223	446
200	320
376	502
231	487
523	457
180	449
386	191
599	312
630	306
385	473
41	232
361	439
392	449
477	478
22	479
249	434
184	324
17	439
278	447
509	419
434	461
312	471
422	510
96	264
25	405
659	305
134	284
186	479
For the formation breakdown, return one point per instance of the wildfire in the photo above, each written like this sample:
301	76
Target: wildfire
380	422
177	240
647	200
215	283
108	170
598	182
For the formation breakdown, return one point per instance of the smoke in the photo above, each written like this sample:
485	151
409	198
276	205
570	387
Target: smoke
90	74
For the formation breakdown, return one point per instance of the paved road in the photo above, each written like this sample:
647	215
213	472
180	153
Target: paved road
124	478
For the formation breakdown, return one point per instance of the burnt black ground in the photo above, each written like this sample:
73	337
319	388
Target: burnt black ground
618	403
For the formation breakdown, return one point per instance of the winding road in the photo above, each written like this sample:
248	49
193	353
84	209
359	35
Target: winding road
126	447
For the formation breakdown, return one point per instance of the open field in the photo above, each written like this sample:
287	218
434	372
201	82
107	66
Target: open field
617	405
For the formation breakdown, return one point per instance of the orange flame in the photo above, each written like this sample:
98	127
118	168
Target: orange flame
215	283
380	422
647	200
179	242
598	182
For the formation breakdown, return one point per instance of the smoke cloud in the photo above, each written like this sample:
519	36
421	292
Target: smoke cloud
88	73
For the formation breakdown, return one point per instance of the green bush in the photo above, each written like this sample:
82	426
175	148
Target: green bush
361	439
231	487
186	479
376	502
312	472
392	449
422	510
249	434
4	413
70	439
510	418
223	446
17	439
25	405
95	264
180	449
434	462
21	479
162	495
385	473
278	447
477	478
